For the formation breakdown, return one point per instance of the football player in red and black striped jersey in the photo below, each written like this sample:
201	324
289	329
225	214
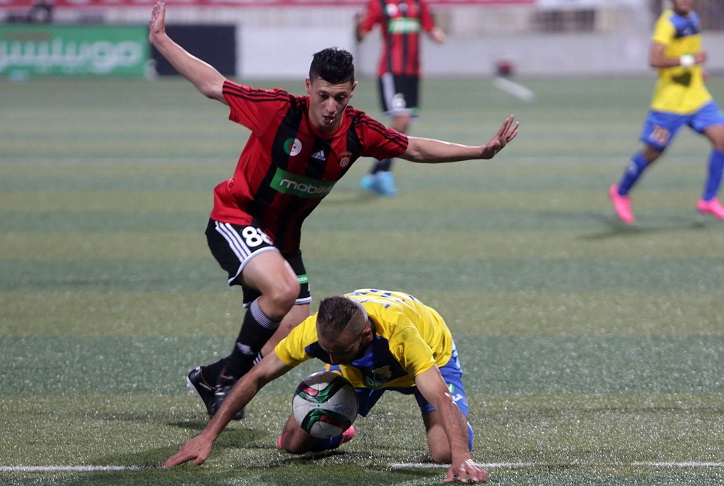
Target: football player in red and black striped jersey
299	146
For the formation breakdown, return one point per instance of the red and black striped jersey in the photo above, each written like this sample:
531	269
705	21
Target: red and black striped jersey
401	22
287	166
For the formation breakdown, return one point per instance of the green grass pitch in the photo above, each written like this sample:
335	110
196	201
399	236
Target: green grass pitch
593	352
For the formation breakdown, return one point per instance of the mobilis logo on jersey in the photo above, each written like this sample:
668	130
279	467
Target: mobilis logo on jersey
300	186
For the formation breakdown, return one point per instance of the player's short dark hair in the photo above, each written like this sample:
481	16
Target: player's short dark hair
334	65
335	313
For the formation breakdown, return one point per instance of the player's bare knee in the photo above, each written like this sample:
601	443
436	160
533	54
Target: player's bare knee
292	450
290	446
283	296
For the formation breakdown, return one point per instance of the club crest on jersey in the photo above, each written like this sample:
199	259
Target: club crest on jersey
344	160
293	146
378	377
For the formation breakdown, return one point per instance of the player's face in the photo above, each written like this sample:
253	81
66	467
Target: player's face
327	103
348	346
683	7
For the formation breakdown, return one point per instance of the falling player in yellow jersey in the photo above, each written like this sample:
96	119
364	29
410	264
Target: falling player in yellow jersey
379	340
680	98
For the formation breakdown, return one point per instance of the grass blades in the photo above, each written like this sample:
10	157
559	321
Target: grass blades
592	350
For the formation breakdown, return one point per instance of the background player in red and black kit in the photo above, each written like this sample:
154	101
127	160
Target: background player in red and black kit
398	71
298	148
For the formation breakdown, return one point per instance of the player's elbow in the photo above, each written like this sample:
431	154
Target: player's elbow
414	153
212	90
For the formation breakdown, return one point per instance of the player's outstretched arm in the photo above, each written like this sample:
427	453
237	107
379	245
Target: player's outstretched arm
428	150
198	449
432	386
202	75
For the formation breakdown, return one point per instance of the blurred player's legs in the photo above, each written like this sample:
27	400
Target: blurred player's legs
398	97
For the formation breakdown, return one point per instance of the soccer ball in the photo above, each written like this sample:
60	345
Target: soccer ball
325	404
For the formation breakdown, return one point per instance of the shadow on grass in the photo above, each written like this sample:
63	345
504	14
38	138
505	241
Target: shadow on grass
653	225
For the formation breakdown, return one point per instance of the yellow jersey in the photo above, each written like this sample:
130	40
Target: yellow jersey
679	89
409	338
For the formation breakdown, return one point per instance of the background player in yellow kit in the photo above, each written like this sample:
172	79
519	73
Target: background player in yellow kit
680	98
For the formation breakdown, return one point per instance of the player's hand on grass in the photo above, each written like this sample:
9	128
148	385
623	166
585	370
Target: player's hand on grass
465	472
506	133
197	449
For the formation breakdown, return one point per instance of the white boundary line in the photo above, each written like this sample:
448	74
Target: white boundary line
678	464
518	465
68	468
394	465
429	465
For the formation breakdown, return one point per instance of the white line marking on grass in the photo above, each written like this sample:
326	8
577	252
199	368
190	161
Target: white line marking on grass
429	465
678	464
515	89
394	465
67	468
514	465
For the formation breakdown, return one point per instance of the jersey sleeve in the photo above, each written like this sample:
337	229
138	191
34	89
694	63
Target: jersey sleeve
664	31
292	349
427	21
411	350
379	141
372	15
254	108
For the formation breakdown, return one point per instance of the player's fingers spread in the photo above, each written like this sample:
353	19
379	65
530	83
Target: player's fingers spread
503	128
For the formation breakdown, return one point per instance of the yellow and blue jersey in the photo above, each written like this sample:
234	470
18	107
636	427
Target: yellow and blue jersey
679	89
409	339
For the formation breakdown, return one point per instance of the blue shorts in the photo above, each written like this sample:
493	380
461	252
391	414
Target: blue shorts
661	126
451	373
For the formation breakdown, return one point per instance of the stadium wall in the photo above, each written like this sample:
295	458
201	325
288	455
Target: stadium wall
278	42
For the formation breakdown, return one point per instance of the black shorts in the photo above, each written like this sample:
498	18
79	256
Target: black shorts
234	246
399	94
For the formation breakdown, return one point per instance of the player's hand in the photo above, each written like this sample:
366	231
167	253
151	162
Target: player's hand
700	57
157	24
197	449
437	35
467	471
506	133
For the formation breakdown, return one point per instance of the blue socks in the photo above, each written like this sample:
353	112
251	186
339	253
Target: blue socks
713	180
635	168
638	164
